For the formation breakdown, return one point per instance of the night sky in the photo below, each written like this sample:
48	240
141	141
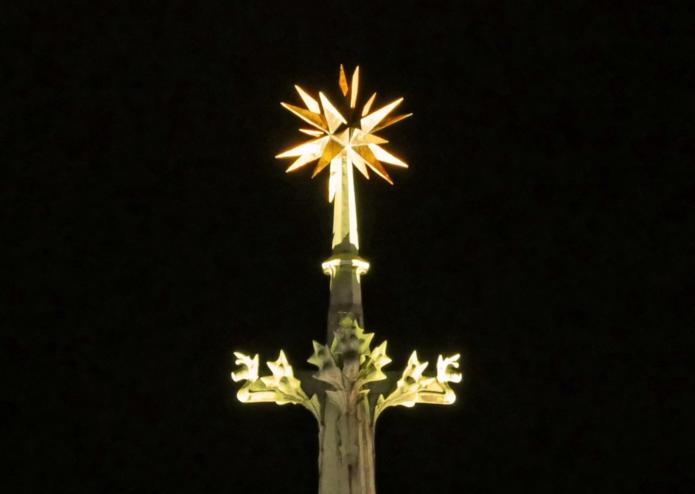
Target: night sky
544	230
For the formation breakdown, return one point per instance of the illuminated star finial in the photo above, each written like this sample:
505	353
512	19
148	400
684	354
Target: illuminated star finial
347	132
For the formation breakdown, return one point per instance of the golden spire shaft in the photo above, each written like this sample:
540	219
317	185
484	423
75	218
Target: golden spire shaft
345	236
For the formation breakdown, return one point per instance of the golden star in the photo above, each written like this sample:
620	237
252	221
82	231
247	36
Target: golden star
348	134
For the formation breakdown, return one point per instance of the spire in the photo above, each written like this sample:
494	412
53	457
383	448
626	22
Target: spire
349	391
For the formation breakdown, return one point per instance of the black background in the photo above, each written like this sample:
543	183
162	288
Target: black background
544	230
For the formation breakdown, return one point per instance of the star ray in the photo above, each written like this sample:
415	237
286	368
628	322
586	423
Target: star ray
310	102
312	132
333	116
354	88
371	120
331	150
307	116
383	155
303	148
389	121
373	163
342	81
368	105
358	162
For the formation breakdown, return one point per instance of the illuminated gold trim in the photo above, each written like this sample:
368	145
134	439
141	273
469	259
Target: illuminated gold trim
330	267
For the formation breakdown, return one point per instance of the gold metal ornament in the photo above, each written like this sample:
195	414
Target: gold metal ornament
344	131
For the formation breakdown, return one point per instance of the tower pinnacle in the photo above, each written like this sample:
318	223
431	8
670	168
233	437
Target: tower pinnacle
349	391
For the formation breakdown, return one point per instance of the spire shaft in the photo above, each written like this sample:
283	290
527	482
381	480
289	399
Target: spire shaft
344	267
345	237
